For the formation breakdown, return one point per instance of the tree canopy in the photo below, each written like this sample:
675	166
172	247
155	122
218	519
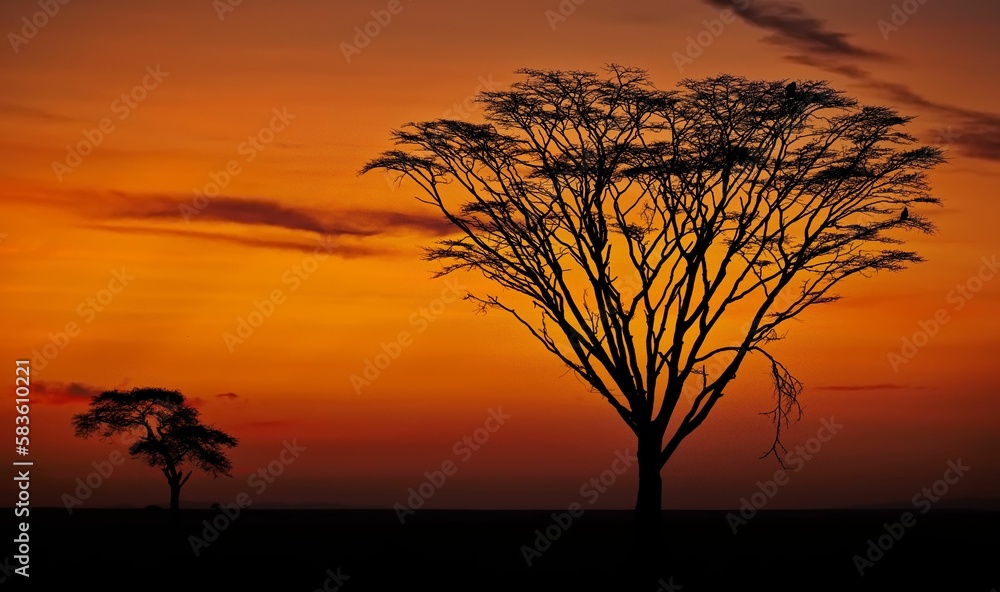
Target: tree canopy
174	435
653	239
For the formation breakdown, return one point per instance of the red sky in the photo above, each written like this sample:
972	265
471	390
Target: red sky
66	232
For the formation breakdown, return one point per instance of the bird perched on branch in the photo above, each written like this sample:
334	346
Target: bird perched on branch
904	214
791	101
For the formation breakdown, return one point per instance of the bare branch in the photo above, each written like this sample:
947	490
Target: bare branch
644	225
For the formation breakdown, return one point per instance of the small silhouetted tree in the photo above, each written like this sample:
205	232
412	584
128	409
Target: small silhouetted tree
174	436
652	240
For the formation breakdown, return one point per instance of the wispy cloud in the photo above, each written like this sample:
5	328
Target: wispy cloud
267	212
238	210
791	26
975	133
63	393
271	423
305	245
227	399
885	386
28	112
161	214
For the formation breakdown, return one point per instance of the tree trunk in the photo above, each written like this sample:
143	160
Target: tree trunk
649	502
175	495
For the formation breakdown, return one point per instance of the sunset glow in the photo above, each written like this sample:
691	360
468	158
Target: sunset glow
181	208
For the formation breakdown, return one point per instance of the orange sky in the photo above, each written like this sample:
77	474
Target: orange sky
64	232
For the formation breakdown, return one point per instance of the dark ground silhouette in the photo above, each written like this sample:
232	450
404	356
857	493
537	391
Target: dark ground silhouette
291	550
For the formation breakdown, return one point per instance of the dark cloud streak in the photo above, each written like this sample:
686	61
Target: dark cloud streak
884	386
163	214
974	133
342	250
791	26
263	212
63	393
26	112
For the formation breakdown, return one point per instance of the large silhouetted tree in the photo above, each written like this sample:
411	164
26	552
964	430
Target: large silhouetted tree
174	435
653	240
